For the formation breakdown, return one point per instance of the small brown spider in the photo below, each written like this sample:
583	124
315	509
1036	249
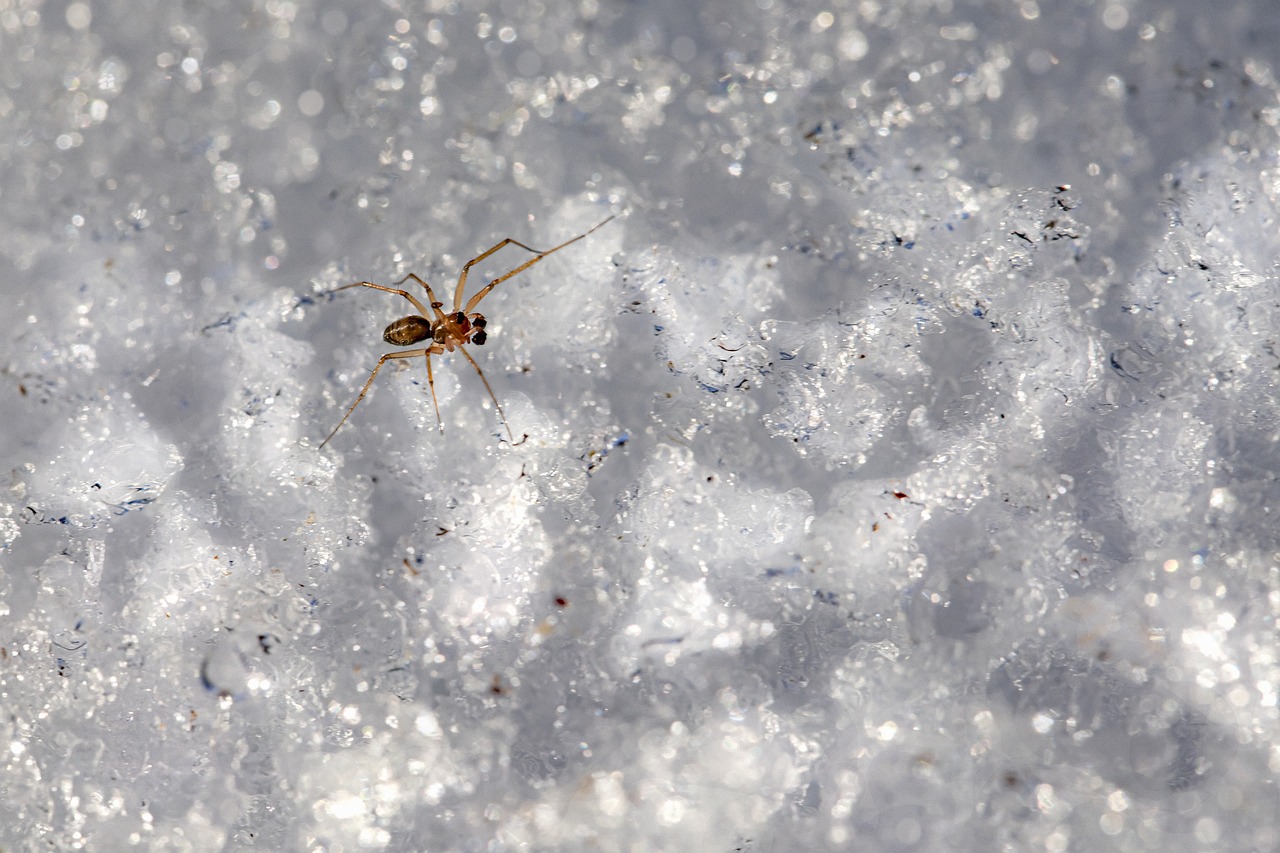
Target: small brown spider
462	325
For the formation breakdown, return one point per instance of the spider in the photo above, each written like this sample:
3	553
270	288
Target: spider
446	331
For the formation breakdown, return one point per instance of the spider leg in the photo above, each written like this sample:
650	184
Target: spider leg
484	291
492	397
462	276
430	295
416	304
431	383
406	354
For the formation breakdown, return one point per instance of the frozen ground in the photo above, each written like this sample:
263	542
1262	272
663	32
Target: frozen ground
897	472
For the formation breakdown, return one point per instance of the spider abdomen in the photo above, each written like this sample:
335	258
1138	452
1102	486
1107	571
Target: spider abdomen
407	330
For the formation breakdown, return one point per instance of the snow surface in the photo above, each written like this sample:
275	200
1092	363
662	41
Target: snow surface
894	473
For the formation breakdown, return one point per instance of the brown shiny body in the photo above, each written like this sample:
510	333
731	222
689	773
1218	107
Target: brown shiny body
408	331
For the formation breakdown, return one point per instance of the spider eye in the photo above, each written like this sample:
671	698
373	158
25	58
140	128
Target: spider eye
479	337
459	317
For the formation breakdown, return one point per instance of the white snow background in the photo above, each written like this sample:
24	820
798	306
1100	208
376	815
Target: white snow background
898	471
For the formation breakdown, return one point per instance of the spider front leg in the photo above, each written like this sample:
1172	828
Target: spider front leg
462	276
484	291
